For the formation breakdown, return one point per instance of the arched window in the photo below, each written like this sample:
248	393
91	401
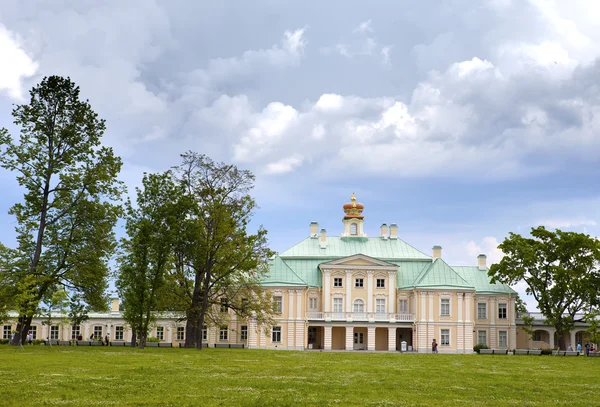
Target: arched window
353	229
359	306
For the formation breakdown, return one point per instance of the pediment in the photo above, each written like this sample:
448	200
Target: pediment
359	261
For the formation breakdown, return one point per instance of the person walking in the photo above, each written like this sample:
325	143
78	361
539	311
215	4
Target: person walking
587	349
434	347
30	338
578	349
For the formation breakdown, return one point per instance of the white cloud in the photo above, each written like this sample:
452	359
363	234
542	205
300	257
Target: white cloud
364	27
284	165
16	64
488	246
566	223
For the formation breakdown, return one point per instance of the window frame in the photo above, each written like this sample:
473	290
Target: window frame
485	341
484	304
505	345
359	282
75	331
33	329
98	328
358	303
180	333
405	305
54	332
380	280
6	335
380	302
224	306
445	307
276	334
338	282
244	333
160	336
444	334
313	303
502	306
204	333
119	332
224	333
353	229
278	304
340	302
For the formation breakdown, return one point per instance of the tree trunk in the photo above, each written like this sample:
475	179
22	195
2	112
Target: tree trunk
23	327
142	340
133	339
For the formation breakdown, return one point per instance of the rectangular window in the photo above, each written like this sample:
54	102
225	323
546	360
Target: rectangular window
119	333
313	304
445	337
381	283
359	283
277	304
224	305
380	306
160	333
33	330
75	330
180	333
481	310
276	334
6	331
223	333
338	305
97	332
204	333
53	332
502	310
502	339
402	306
445	307
481	337
338	282
244	333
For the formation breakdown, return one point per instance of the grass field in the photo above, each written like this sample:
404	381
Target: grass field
40	375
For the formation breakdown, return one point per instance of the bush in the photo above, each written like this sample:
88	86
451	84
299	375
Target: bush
4	341
546	351
152	339
477	348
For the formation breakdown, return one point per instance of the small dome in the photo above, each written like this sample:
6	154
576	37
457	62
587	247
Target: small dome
353	209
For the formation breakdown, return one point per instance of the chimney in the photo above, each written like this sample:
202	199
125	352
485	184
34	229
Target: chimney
384	231
314	229
323	239
114	306
393	231
481	260
437	252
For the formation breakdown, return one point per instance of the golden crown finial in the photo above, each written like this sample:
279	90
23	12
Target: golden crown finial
353	199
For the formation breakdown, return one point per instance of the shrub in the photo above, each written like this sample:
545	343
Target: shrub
478	347
152	339
4	341
546	351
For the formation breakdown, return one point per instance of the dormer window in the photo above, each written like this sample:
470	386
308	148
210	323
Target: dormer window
353	229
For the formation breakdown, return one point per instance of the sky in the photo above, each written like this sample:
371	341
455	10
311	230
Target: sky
460	121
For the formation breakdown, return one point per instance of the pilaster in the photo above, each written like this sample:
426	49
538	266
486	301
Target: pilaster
327	291
430	295
371	338
348	290
327	338
391	339
370	291
392	291
349	338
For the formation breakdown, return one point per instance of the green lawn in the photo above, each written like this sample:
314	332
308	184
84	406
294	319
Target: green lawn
41	375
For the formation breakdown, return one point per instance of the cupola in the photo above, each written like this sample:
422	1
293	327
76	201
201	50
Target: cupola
353	219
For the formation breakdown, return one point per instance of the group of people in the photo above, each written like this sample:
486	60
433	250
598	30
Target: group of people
105	341
588	348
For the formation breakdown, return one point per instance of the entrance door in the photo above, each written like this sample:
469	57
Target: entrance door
313	339
359	340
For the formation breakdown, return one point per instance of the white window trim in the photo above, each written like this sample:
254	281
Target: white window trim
506	336
338	278
280	334
384	283
449	314
356	281
449	337
384	305
226	336
486	337
505	308
355	302
486	309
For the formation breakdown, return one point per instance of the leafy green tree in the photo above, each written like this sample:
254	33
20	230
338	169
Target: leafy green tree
66	220
561	270
593	319
147	253
78	311
54	306
521	312
219	264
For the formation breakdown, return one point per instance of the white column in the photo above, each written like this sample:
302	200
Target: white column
252	333
430	294
423	312
512	315
327	339
573	344
460	306
300	340
290	325
551	335
468	305
391	292
460	329
348	290
349	338
391	339
370	291
492	311
326	291
371	338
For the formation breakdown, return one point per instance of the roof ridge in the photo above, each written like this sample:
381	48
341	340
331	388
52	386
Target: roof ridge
292	270
443	263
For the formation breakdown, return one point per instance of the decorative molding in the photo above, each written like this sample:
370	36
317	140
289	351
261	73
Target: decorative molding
327	271
381	295
338	295
348	272
292	291
445	294
480	298
277	292
299	291
370	272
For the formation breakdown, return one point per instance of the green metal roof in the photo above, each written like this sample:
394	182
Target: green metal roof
408	271
440	275
481	281
337	246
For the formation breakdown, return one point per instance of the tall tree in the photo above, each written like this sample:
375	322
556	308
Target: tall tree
147	253
219	259
65	222
78	311
561	270
54	307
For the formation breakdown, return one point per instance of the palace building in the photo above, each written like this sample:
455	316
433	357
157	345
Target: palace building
354	292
